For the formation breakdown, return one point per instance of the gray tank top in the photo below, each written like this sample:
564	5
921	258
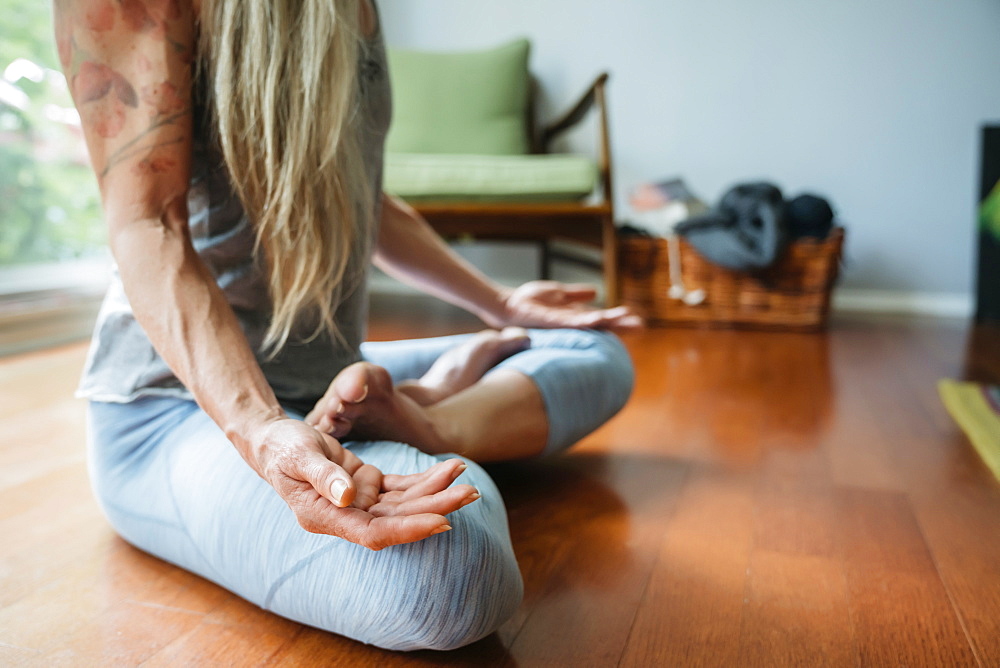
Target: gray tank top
122	364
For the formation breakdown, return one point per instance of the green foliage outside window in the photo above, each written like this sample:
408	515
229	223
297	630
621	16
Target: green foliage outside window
49	205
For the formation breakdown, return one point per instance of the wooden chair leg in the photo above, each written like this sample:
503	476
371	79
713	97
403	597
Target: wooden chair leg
544	261
610	252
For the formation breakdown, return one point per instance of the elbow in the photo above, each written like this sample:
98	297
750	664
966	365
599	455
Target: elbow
137	231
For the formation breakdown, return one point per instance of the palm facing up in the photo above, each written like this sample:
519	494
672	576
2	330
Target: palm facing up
331	491
550	304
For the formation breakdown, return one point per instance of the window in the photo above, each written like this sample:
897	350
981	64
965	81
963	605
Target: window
52	239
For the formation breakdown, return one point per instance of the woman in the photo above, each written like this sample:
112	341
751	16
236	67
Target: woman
238	149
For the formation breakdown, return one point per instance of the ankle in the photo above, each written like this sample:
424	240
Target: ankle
450	436
424	395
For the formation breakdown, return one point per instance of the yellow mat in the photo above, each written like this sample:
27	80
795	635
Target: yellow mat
976	409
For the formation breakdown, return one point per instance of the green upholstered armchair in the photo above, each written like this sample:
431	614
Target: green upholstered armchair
464	151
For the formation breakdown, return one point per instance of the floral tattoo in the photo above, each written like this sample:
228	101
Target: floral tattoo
107	101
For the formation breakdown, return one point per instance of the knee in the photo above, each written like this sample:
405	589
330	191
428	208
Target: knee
617	364
598	350
608	360
471	588
585	377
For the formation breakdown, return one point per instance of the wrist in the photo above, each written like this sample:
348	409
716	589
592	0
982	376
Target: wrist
494	309
249	434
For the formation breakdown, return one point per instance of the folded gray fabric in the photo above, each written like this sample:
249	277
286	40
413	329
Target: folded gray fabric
746	231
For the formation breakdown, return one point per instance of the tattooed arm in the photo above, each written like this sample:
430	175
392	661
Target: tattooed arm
128	63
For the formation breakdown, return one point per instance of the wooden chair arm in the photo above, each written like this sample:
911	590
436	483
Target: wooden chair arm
575	114
595	96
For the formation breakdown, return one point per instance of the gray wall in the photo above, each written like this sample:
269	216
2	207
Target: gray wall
873	103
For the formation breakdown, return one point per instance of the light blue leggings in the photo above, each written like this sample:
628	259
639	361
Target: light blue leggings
172	484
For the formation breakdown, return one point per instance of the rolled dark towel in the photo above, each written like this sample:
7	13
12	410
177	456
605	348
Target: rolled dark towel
746	231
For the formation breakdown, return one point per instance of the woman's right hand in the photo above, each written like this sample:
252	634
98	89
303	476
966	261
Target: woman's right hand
331	491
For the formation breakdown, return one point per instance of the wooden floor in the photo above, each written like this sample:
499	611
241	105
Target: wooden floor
765	499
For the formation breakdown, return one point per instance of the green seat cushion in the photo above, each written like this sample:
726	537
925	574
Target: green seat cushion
421	177
470	102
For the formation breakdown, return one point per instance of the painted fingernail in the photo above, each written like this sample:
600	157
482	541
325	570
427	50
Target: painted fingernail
441	529
337	490
472	497
460	469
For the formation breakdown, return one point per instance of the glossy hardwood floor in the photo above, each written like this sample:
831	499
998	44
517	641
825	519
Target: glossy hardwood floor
765	499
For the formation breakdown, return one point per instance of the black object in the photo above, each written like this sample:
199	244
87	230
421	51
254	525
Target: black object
748	230
809	216
675	190
630	231
988	271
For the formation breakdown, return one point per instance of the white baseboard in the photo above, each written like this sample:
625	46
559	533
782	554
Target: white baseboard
513	264
901	302
381	284
845	300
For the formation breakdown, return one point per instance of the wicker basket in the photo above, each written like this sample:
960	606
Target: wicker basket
794	293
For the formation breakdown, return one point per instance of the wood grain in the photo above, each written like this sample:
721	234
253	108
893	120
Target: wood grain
691	610
796	612
766	499
901	611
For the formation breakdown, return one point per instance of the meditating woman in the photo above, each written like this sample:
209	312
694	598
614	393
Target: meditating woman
238	425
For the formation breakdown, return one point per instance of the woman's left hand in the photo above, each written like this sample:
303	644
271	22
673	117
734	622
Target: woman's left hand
331	491
550	304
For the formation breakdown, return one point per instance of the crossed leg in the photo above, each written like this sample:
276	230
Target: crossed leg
464	364
489	396
456	406
173	485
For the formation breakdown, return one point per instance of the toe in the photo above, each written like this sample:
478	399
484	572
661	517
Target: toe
353	384
508	333
513	340
341	428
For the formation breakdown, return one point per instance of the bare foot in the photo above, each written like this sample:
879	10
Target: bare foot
362	402
465	364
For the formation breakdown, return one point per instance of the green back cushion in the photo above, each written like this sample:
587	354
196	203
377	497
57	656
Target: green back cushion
470	103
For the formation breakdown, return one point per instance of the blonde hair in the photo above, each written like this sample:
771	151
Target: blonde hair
284	89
